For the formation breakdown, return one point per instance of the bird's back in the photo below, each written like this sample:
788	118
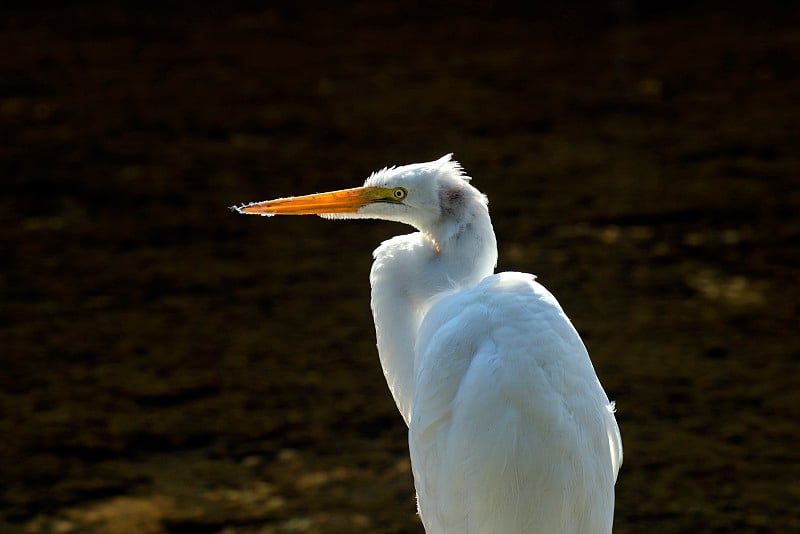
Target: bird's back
511	431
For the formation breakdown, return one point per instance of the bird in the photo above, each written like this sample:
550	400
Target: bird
509	428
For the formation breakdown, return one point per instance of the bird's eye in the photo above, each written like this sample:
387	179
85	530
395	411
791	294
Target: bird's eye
399	193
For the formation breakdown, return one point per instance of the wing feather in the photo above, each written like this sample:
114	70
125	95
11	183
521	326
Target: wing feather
510	430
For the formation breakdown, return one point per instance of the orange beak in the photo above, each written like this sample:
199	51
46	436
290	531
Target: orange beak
344	201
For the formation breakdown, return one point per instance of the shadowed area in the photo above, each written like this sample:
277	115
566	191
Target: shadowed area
171	367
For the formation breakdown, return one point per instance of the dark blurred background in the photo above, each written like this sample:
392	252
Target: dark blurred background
167	366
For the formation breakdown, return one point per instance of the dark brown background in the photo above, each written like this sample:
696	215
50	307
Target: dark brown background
169	367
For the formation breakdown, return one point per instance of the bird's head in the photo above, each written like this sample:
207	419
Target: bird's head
423	195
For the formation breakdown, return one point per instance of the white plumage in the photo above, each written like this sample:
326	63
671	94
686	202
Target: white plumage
514	407
510	430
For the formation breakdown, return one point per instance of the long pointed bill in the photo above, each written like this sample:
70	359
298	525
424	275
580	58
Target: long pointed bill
344	201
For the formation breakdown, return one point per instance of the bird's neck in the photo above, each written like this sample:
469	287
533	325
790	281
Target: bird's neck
411	272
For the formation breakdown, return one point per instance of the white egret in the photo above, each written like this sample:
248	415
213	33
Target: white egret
510	430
